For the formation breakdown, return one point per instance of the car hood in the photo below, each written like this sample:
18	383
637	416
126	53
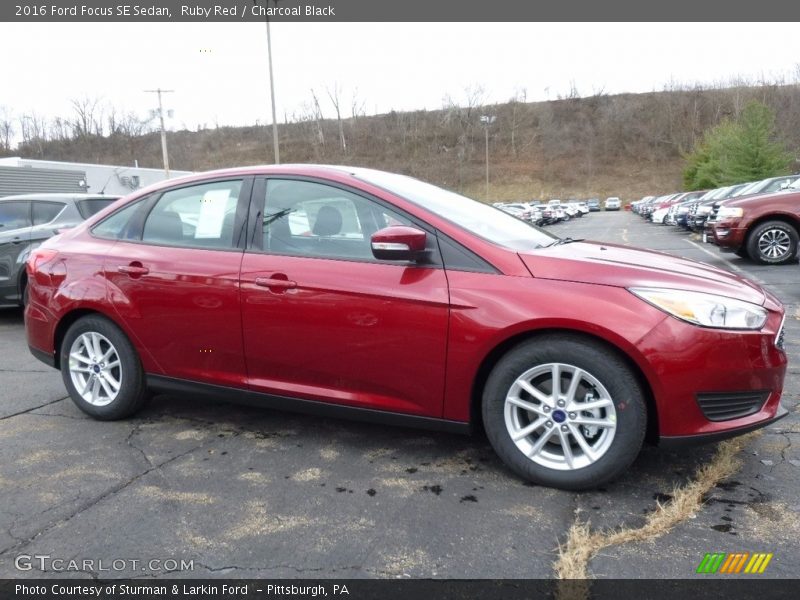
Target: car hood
622	266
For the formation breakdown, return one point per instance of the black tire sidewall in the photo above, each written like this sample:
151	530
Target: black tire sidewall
752	242
132	393
609	369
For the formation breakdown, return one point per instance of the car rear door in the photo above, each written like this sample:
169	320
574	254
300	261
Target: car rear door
175	284
323	319
15	231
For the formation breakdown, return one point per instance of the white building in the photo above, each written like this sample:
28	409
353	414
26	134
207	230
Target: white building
23	176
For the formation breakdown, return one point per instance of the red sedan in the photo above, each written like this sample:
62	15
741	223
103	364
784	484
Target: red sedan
353	292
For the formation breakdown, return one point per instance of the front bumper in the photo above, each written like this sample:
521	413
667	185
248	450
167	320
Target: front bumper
675	442
687	361
728	235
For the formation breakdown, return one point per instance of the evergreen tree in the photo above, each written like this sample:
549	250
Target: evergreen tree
735	152
753	154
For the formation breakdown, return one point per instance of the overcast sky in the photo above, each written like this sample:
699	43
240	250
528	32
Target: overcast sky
219	71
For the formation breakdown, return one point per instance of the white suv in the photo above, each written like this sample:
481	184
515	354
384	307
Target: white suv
612	203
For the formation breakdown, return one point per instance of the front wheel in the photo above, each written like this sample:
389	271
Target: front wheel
101	369
772	243
563	411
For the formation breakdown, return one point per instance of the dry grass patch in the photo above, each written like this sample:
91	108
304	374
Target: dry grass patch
583	544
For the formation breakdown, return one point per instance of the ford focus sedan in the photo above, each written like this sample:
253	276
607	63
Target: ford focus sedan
358	293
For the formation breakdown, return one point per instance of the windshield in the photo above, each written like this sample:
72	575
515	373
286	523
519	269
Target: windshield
481	219
749	188
795	185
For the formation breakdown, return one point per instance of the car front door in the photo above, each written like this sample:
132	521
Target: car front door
176	283
324	320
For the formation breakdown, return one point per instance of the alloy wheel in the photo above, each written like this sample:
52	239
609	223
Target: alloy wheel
560	416
95	368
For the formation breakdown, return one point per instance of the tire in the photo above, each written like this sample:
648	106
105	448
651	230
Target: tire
619	412
108	384
772	243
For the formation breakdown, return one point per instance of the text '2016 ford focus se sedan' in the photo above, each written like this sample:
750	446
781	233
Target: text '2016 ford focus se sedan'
353	292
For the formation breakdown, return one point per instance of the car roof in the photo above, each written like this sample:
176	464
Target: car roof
57	196
300	169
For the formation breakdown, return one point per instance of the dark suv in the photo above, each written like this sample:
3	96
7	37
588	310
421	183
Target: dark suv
26	221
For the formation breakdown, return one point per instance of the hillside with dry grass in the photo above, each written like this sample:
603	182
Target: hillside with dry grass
628	145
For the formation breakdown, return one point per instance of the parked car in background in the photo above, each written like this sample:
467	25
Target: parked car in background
765	227
465	315
771	184
678	212
581	206
25	222
593	204
660	212
613	203
730	192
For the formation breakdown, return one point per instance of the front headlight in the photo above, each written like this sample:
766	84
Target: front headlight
707	310
729	211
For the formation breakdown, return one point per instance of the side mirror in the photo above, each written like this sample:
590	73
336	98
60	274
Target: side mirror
398	243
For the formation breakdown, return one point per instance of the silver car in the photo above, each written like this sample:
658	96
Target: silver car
28	220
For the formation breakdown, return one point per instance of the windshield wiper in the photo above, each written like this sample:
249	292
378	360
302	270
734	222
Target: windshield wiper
278	215
566	240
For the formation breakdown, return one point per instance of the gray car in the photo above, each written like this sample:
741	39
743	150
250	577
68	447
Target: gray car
28	220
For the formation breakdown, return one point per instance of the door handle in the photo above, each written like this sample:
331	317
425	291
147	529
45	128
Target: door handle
274	282
133	269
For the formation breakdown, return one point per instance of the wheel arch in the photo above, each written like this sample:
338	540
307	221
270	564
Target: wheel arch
22	283
66	322
501	349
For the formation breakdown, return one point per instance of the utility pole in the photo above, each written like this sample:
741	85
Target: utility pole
275	148
159	91
486	121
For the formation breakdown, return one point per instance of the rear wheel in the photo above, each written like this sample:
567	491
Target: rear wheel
772	243
101	369
563	411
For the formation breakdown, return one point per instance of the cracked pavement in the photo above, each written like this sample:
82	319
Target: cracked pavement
247	492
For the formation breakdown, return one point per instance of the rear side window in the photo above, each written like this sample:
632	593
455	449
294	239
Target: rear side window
14	215
44	212
87	208
198	216
113	227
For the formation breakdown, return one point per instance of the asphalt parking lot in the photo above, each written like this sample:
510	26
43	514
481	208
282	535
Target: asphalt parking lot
246	492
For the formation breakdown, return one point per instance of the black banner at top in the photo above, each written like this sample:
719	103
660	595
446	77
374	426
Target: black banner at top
395	10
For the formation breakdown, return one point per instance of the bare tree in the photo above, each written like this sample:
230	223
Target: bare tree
86	119
516	102
357	106
34	131
334	96
6	128
59	129
318	120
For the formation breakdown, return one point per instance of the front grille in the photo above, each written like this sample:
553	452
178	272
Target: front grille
725	406
779	337
714	211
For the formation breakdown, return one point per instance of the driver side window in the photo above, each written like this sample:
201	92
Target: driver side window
303	218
